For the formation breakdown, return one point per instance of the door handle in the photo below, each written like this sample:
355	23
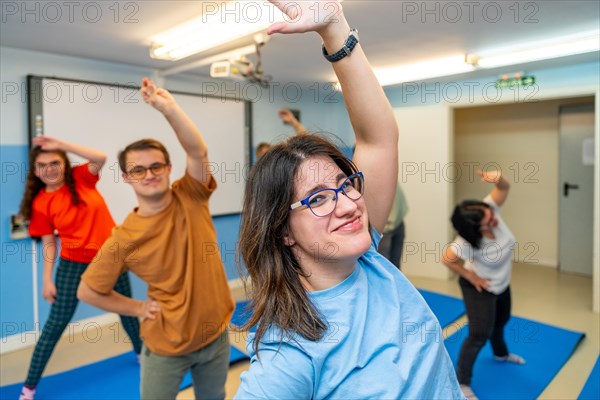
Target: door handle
567	186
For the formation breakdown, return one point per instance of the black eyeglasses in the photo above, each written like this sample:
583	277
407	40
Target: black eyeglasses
323	202
139	171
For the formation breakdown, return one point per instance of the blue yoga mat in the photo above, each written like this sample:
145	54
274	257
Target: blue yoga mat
114	378
545	348
447	309
591	389
241	314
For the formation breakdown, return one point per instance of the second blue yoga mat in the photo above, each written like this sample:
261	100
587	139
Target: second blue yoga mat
546	349
591	389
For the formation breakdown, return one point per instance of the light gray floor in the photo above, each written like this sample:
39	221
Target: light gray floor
539	293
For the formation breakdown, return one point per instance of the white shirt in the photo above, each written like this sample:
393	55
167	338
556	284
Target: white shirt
493	260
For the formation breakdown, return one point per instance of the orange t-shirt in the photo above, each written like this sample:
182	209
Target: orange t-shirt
176	253
82	229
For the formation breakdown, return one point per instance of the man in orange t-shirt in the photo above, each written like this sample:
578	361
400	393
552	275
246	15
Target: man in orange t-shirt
170	242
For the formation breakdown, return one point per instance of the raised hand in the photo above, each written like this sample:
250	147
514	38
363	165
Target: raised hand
500	191
95	157
286	115
489	176
306	16
48	143
158	98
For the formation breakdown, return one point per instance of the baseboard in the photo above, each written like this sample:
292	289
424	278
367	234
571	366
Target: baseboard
550	263
26	339
235	284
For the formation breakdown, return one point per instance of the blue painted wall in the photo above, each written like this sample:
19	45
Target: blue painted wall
16	299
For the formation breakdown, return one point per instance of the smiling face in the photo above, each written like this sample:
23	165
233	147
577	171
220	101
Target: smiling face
49	167
340	237
150	186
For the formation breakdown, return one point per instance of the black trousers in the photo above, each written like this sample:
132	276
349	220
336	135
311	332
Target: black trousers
391	245
488	313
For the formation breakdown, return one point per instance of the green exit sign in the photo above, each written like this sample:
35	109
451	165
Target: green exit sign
513	82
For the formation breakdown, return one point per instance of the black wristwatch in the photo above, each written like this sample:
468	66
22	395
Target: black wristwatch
346	49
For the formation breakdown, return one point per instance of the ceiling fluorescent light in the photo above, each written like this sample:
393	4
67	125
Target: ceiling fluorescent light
227	22
425	70
554	49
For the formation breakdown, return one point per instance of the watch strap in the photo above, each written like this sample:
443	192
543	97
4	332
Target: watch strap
346	49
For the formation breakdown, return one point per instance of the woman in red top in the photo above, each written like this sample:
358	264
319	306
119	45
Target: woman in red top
63	199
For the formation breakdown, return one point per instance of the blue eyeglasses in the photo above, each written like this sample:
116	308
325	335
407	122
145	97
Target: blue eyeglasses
323	202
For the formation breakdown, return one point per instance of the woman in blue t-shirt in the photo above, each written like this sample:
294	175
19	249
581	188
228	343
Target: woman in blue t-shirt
334	318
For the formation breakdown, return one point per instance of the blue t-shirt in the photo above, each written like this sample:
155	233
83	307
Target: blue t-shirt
382	342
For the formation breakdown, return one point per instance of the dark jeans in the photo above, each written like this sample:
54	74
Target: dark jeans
68	276
391	245
488	313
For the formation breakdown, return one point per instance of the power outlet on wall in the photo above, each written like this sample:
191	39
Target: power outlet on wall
18	227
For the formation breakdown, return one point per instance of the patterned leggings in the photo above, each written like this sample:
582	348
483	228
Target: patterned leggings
68	276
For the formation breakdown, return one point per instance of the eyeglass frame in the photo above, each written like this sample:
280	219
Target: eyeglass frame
161	166
304	201
51	164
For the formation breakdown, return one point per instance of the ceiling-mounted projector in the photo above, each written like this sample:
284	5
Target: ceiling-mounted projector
240	69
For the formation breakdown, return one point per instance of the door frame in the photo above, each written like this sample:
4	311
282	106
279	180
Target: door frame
557	94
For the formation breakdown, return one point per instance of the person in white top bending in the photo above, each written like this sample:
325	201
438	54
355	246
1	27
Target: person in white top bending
481	255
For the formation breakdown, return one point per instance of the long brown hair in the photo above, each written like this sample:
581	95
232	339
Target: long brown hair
276	292
33	184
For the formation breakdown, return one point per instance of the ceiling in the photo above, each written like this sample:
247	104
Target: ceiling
391	32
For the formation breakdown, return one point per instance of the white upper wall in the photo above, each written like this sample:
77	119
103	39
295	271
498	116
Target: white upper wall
480	91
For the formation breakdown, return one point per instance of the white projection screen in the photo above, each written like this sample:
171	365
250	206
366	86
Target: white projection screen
108	117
